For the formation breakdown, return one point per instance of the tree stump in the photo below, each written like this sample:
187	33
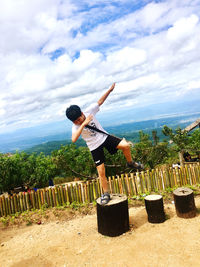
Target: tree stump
184	202
155	209
113	218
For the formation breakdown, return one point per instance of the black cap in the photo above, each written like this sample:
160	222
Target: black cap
73	112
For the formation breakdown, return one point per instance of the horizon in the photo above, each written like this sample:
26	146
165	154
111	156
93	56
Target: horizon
111	122
27	138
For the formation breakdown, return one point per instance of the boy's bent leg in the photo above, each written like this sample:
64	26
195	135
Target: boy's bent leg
125	147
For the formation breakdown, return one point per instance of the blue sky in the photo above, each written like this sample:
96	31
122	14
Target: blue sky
55	53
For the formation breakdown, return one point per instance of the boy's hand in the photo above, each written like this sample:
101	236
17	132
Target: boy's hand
88	119
112	87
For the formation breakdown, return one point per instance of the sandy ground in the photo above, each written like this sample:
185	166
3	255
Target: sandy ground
176	242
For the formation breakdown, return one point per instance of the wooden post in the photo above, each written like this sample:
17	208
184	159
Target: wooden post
113	218
155	209
184	202
181	158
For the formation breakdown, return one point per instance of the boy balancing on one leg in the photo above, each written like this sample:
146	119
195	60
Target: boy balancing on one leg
96	140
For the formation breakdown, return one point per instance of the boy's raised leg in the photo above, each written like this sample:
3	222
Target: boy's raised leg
125	147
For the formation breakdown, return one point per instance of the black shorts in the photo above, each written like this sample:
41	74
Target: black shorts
110	144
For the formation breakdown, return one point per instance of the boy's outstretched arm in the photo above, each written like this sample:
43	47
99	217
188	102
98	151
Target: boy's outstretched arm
103	98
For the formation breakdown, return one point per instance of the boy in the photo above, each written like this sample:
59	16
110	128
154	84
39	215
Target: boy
96	141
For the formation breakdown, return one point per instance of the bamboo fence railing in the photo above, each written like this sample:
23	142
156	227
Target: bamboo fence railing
130	184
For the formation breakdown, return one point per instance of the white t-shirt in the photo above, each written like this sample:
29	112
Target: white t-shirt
91	137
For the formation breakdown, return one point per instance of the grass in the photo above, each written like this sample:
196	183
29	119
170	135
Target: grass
40	216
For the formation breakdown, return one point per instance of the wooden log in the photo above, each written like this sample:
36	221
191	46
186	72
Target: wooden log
34	200
113	218
1	207
8	205
133	184
27	201
57	199
77	193
47	197
51	197
67	193
62	195
12	205
4	206
94	190
80	193
15	203
184	202
155	209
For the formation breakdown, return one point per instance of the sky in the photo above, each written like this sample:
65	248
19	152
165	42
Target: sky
55	53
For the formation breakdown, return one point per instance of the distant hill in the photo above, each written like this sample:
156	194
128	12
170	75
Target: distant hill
130	131
48	147
46	143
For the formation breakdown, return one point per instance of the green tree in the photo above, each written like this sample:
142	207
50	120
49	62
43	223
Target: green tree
194	140
6	173
179	138
151	153
74	162
21	169
44	170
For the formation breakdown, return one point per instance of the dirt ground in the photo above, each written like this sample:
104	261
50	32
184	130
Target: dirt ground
76	242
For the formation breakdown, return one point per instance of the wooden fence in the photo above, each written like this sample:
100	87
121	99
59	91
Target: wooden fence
130	184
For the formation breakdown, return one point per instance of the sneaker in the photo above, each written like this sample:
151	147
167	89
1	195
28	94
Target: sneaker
105	198
135	165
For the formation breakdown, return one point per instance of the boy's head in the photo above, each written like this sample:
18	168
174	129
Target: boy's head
73	112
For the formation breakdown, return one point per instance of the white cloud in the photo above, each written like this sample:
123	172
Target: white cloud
194	85
124	59
86	60
182	29
142	84
152	53
151	15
